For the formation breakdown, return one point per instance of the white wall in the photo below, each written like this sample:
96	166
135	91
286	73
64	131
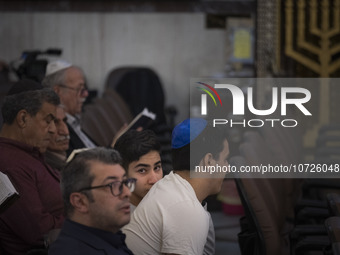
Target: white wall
177	46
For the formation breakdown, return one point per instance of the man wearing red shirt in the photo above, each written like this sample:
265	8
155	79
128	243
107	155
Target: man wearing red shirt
27	130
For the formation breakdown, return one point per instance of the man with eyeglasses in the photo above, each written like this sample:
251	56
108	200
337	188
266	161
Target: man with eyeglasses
68	82
96	195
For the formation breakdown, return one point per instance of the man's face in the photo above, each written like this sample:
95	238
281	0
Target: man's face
108	212
39	129
60	140
73	94
147	170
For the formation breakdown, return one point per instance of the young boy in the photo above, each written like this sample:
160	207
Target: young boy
140	151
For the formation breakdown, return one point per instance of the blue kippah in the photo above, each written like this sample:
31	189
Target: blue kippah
185	132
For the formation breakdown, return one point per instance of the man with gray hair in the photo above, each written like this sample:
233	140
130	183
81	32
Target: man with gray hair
68	82
96	195
28	127
55	155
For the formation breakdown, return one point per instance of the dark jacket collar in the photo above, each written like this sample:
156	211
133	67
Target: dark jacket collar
98	239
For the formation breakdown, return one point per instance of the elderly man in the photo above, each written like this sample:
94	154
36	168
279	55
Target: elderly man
171	218
55	155
27	130
68	82
96	194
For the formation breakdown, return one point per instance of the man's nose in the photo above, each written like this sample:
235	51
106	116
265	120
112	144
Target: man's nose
63	129
52	128
153	177
126	192
84	93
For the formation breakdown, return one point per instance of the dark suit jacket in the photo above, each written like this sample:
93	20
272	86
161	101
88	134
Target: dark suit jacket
77	239
75	142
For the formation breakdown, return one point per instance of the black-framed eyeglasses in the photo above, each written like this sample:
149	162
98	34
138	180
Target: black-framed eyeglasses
116	187
79	91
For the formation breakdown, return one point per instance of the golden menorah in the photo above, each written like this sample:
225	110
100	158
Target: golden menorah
324	50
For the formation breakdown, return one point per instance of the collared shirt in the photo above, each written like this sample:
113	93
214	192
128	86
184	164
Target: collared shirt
76	238
40	206
74	122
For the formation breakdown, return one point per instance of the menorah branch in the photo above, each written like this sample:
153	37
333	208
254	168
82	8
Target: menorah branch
313	18
334	66
301	40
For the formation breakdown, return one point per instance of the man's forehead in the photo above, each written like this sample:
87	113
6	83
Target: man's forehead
74	73
102	170
48	108
154	155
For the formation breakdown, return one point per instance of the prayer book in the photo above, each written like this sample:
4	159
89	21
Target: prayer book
74	153
144	120
8	194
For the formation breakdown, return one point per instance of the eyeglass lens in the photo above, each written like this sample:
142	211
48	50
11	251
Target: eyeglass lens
117	187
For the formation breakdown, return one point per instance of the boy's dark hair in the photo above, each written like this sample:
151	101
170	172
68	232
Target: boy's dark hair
210	140
134	144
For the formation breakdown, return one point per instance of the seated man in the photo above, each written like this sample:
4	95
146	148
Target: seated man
68	82
140	151
171	219
96	195
27	130
55	155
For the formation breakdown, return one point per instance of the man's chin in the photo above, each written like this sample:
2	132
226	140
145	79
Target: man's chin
125	221
79	109
63	147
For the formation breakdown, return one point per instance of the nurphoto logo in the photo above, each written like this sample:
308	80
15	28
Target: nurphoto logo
281	98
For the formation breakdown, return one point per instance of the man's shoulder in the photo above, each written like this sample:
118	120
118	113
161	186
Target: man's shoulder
162	191
75	239
16	155
72	240
167	195
67	245
172	187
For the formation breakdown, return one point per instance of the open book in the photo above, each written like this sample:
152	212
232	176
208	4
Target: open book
8	194
74	153
144	119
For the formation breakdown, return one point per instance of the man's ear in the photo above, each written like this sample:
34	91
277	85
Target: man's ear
79	202
208	159
22	118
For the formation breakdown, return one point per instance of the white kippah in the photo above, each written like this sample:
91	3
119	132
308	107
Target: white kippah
56	66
